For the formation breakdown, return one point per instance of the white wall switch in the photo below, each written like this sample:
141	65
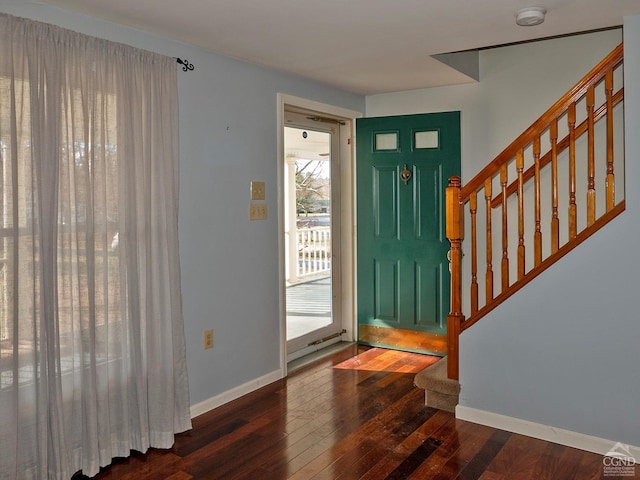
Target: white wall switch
208	339
257	190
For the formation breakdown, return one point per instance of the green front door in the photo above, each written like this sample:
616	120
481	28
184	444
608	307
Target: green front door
403	167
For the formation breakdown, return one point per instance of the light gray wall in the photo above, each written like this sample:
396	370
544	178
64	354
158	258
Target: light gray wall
228	136
564	350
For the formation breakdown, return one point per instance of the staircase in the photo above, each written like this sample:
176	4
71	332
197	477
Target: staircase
546	193
439	390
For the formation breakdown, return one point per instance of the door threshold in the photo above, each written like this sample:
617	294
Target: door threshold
302	361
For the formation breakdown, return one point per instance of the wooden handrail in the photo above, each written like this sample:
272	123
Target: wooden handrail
540	125
562	145
582	217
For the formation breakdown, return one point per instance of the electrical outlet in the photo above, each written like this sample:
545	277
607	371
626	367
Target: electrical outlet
208	339
257	211
257	190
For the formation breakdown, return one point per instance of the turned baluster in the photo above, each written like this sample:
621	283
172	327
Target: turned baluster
521	247
489	242
473	208
610	183
555	221
573	226
505	236
591	165
537	236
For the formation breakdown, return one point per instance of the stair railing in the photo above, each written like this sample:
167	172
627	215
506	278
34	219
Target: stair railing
579	160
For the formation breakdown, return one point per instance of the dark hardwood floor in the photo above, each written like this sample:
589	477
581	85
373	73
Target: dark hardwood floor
353	415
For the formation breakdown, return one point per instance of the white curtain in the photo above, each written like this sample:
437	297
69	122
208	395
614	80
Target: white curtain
92	344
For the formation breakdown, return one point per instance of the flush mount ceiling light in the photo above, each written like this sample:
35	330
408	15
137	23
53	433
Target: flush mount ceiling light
530	16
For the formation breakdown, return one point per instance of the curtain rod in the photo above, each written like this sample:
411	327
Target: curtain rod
185	64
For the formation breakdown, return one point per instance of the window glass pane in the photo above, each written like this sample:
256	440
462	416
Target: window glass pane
387	141
429	139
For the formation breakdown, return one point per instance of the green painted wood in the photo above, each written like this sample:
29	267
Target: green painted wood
403	272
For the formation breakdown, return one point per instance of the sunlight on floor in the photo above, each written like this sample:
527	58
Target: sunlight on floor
389	361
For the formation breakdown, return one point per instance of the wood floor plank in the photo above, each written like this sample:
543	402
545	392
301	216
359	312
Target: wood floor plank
519	457
413	461
224	442
548	461
487	454
492	476
518	453
371	426
448	435
309	446
438	421
592	468
179	476
153	465
470	439
354	415
568	464
371	448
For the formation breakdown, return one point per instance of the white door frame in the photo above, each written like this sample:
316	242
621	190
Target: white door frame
348	225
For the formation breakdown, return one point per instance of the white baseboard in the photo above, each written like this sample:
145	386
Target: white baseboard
538	430
237	392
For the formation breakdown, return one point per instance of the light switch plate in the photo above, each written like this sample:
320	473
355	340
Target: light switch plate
257	211
257	190
208	339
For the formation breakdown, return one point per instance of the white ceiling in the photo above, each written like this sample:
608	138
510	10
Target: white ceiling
306	144
364	46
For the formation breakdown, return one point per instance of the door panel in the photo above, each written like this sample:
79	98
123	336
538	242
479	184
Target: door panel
426	282
386	291
403	275
427	208
385	202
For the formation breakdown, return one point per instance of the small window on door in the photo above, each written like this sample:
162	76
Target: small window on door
386	141
426	139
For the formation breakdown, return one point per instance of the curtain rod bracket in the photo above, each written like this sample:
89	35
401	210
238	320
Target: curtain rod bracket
185	64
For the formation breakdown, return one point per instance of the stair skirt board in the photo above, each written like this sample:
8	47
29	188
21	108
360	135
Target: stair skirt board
538	430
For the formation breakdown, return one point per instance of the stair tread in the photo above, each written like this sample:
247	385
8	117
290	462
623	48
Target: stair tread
435	378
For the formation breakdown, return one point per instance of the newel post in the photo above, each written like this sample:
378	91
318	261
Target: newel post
455	235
